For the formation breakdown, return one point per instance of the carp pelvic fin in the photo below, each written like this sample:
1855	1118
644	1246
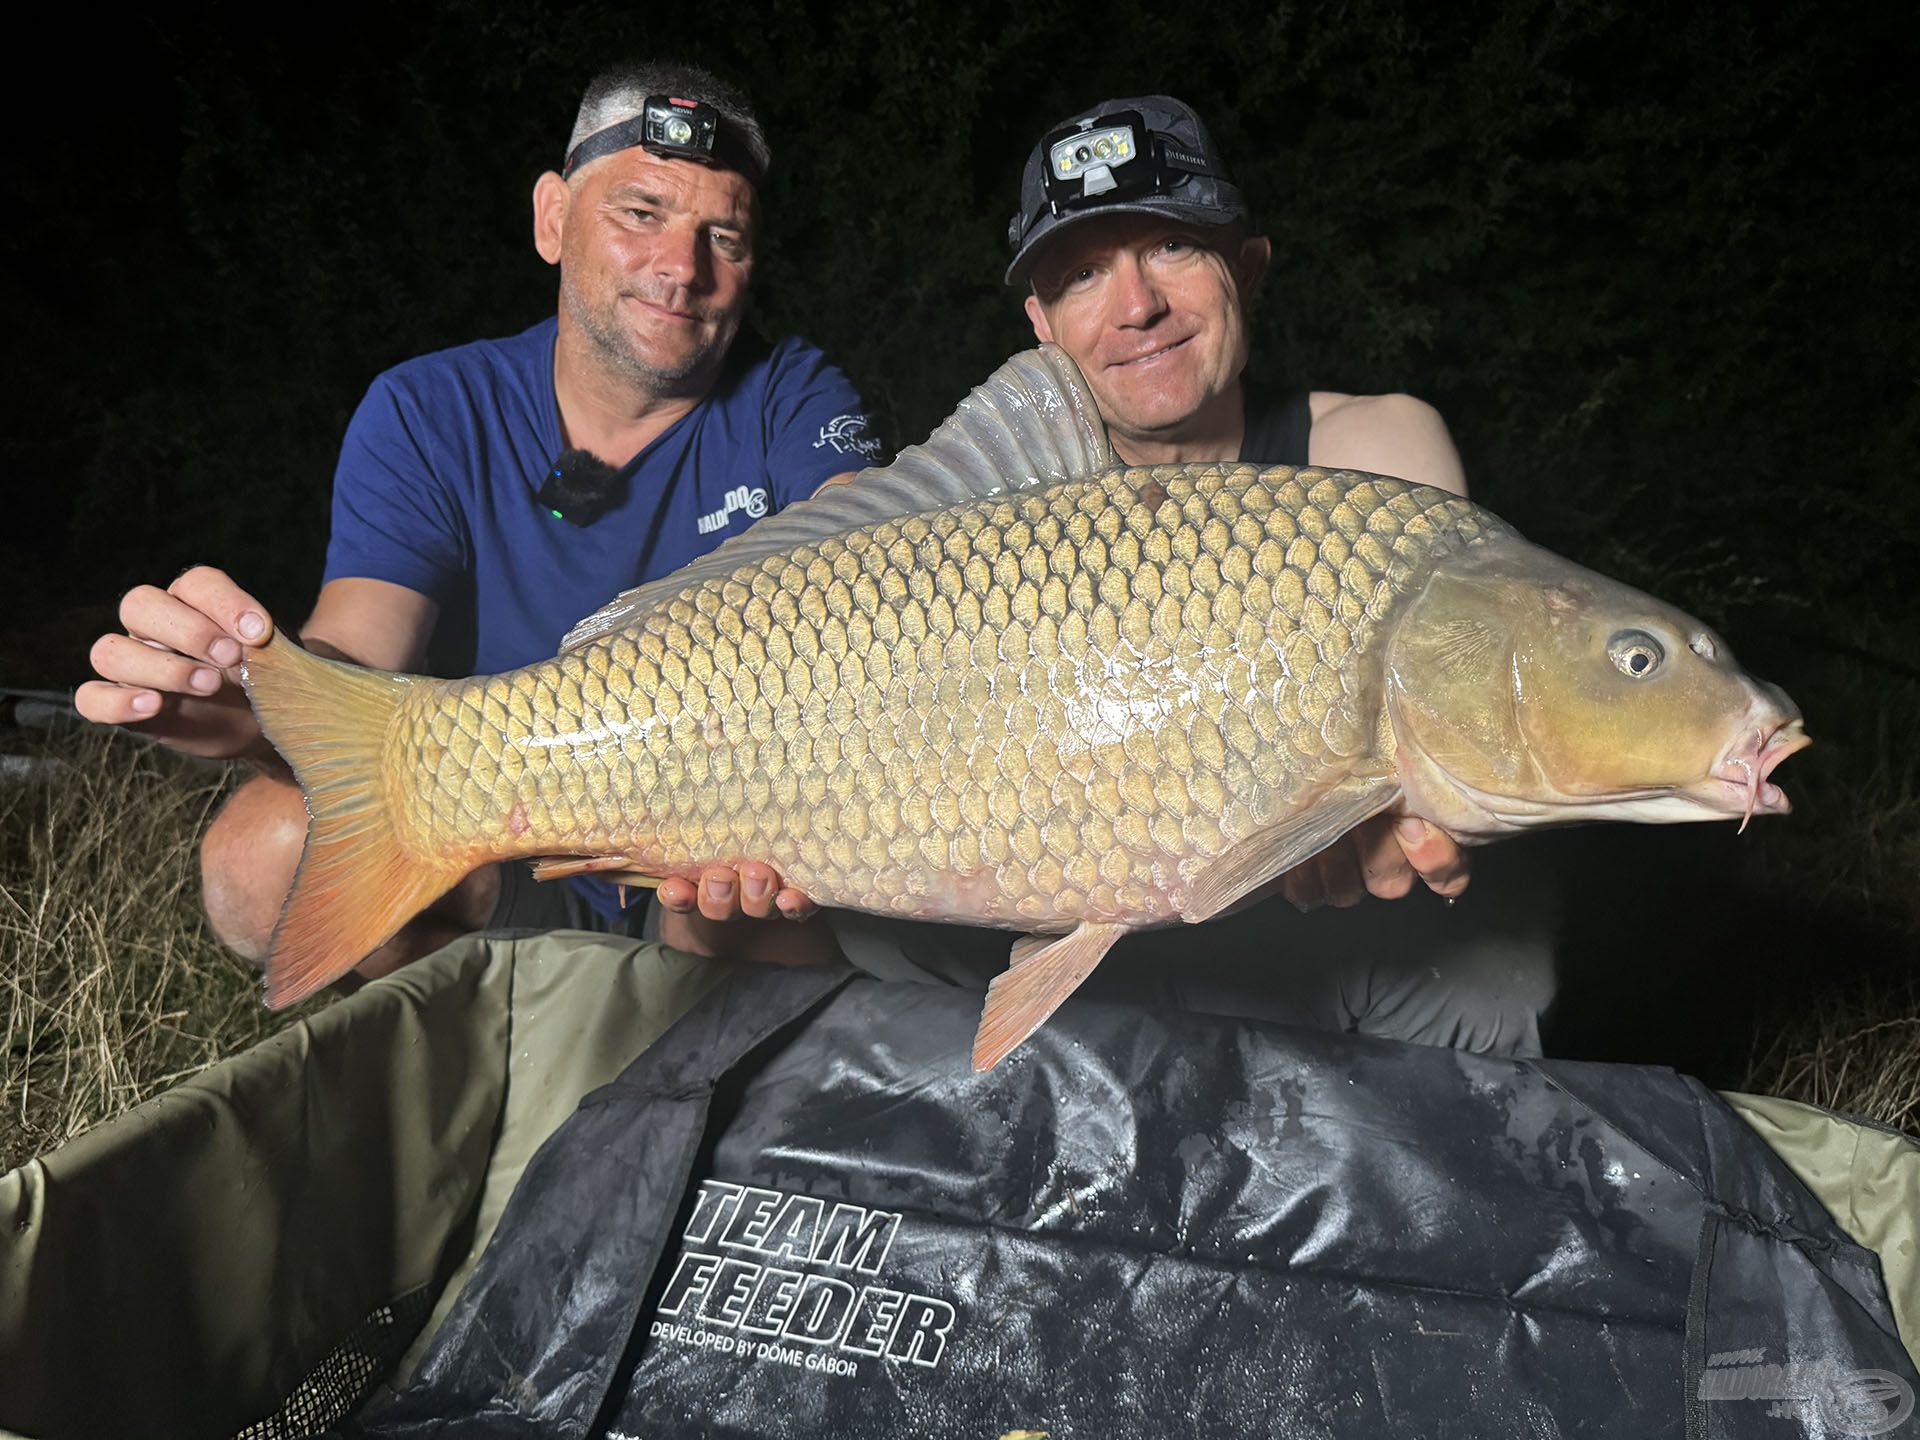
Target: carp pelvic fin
1031	424
617	868
355	886
1044	972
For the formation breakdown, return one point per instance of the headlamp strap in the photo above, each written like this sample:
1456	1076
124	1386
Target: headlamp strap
726	150
1191	161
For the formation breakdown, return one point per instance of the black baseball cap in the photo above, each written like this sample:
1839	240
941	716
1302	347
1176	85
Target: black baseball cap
1154	157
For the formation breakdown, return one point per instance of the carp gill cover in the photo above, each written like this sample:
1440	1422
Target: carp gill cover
1006	681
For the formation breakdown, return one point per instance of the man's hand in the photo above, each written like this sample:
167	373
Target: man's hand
719	893
727	913
1382	857
174	673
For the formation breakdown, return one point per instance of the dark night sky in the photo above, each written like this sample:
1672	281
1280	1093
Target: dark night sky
1604	242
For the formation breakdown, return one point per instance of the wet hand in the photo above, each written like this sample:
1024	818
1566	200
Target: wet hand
1385	857
174	673
721	893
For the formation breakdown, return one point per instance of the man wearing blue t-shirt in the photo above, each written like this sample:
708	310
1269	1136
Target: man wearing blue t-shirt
477	510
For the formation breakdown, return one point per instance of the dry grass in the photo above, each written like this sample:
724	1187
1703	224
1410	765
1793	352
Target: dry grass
1855	1050
114	989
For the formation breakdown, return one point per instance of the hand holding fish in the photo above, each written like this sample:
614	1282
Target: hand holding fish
173	673
721	893
742	914
1384	858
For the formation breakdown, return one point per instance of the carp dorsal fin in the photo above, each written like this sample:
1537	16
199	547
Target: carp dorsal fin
1032	423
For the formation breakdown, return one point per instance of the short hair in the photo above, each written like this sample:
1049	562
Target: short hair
620	92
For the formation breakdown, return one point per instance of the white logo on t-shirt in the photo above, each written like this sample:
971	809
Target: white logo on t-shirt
848	432
754	502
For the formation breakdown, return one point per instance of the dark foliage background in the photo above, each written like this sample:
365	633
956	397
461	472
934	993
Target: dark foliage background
1654	263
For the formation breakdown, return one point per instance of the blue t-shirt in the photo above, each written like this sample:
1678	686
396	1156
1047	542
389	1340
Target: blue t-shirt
441	463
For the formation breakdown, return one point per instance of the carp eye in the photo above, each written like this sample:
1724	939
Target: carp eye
1635	654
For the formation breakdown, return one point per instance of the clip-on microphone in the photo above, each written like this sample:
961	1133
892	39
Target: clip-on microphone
580	488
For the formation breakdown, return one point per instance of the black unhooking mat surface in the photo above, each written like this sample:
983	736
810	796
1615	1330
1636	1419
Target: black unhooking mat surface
1146	1225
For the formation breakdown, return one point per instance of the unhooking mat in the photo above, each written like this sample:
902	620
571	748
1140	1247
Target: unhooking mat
799	1213
1146	1225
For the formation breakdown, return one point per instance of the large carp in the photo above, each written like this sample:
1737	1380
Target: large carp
1008	682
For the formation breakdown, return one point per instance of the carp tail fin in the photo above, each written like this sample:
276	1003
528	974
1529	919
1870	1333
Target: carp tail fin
1044	972
356	884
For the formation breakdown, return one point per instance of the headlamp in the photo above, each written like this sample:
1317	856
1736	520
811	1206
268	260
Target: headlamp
1081	163
673	129
684	129
1115	157
1151	155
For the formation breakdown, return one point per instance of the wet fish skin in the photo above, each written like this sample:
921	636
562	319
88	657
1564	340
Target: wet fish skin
1516	703
1049	708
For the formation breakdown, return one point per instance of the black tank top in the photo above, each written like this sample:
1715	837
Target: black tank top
1277	426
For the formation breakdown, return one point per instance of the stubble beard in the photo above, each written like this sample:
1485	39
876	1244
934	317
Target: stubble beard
1141	423
618	351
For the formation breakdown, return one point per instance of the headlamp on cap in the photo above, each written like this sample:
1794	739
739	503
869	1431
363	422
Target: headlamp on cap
1150	155
1115	157
1082	159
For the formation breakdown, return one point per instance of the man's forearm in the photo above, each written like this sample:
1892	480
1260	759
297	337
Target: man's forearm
777	941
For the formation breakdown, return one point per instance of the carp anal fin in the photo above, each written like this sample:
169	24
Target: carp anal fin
356	885
1272	852
1044	972
1033	423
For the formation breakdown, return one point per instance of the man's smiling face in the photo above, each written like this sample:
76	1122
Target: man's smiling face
1154	314
655	257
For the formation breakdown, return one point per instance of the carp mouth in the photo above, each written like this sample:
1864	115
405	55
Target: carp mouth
1740	779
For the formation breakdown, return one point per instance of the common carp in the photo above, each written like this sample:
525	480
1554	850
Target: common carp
1007	681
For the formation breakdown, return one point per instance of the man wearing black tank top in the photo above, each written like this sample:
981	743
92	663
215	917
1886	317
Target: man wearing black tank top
1139	260
1140	263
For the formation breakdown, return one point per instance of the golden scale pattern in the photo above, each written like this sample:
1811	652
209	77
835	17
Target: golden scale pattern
1043	702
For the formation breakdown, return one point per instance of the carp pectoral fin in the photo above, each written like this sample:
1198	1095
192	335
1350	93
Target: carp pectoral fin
617	868
1045	971
1272	852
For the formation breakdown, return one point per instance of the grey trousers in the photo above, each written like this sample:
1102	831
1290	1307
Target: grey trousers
1478	975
